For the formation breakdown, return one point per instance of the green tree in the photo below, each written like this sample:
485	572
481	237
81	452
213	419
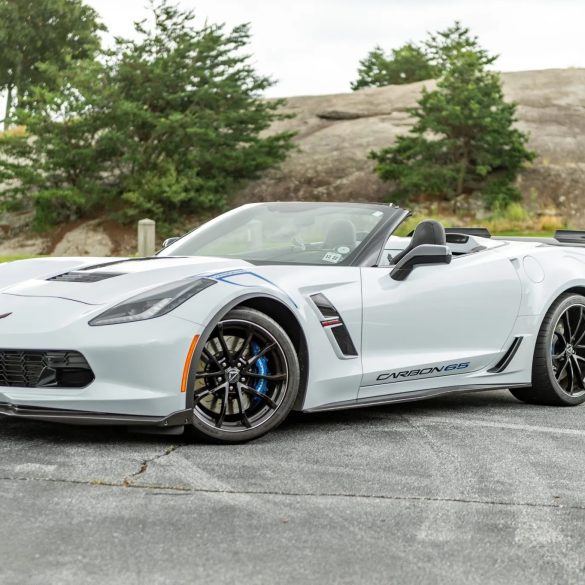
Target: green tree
189	114
36	33
63	160
170	123
406	64
463	140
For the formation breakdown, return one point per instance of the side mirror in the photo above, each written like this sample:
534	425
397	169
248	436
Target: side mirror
421	256
170	241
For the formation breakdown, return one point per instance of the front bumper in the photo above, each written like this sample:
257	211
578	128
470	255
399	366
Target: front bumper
138	367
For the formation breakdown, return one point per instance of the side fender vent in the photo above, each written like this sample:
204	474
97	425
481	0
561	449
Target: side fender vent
335	328
344	340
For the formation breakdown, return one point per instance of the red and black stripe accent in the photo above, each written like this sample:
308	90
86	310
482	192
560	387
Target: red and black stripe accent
332	321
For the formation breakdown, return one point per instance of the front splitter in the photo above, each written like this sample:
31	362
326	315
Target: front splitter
79	417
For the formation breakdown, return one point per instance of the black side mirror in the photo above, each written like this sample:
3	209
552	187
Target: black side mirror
170	241
420	256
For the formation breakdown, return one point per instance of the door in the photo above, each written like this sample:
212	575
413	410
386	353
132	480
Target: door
443	320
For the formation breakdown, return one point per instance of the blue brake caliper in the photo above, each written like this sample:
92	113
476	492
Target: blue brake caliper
261	368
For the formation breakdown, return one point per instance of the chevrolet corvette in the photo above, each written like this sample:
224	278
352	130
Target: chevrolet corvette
274	307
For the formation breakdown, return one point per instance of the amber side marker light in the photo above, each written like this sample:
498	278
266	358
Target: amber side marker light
188	363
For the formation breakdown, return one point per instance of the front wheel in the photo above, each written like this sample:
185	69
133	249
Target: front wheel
558	370
247	378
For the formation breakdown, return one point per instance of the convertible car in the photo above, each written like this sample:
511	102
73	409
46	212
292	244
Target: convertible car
274	307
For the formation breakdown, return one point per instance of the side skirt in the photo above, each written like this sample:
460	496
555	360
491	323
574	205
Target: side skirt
410	396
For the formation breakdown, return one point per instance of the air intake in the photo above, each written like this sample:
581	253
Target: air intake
44	369
508	357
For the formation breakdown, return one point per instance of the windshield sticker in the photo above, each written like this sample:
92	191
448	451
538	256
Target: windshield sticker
343	250
332	257
377	213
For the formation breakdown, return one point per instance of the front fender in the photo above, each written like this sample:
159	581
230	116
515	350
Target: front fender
213	303
330	379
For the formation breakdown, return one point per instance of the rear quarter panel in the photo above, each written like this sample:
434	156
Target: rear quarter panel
547	272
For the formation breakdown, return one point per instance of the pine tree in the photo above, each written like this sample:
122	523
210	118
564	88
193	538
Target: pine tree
463	140
406	64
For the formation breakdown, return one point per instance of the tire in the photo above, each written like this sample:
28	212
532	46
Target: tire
558	368
248	379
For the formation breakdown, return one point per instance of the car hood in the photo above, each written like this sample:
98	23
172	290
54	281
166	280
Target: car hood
99	281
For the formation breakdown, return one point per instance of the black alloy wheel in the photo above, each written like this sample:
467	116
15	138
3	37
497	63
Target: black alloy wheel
568	350
246	380
558	369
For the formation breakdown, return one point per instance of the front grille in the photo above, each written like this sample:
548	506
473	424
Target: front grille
87	277
44	369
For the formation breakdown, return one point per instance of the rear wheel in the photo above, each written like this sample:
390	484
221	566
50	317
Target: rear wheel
558	370
247	378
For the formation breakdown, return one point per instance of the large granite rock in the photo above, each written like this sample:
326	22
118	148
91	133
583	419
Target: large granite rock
336	132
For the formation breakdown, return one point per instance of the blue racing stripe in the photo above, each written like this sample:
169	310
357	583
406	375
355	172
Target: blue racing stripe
226	275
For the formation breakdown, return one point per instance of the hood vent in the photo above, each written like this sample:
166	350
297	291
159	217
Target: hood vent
87	277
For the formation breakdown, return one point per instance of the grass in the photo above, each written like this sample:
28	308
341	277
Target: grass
513	221
513	233
14	132
12	258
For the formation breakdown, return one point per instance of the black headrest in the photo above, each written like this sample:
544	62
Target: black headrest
429	232
426	232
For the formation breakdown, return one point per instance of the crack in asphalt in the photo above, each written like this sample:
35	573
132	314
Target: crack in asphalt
186	490
129	480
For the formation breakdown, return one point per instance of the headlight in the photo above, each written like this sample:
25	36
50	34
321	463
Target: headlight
153	303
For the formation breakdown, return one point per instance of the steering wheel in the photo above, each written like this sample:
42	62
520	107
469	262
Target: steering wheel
297	244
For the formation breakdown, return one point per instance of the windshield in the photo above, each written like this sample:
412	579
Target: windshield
296	233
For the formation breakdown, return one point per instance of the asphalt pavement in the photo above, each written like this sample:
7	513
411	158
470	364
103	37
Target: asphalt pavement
474	488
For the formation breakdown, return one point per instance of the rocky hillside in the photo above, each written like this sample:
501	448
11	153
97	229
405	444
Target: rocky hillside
336	132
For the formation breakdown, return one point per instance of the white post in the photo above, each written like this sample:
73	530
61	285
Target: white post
146	237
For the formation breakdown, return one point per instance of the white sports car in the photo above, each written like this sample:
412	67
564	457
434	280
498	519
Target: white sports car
275	307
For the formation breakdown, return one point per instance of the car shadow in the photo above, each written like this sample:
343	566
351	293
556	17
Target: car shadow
455	403
68	435
63	434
